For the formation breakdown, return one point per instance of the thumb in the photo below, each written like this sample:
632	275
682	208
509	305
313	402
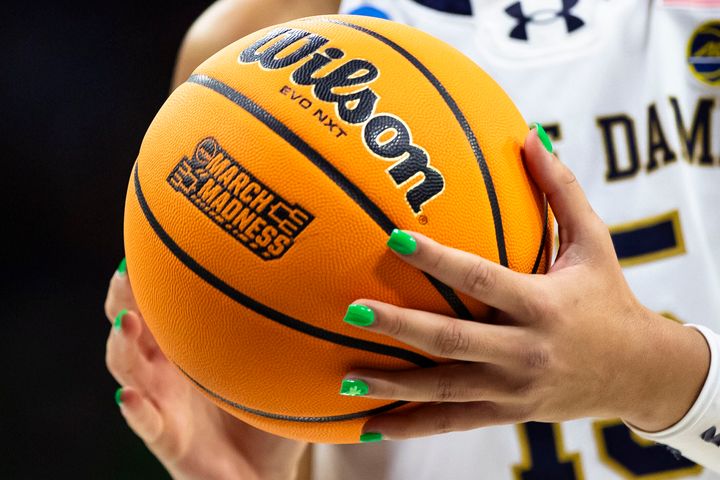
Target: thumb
572	210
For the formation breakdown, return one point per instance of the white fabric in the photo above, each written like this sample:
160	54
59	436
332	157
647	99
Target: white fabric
630	54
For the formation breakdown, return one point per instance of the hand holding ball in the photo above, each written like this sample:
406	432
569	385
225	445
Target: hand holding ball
267	186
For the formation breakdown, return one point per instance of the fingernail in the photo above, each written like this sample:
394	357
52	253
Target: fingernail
117	324
353	387
118	396
401	242
359	315
543	136
122	268
371	437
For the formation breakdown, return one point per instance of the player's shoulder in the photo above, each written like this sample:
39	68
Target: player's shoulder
538	30
532	10
538	21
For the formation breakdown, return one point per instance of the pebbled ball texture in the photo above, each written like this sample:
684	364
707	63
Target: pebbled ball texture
265	190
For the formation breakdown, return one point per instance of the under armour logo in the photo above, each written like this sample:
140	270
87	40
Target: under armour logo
543	16
710	437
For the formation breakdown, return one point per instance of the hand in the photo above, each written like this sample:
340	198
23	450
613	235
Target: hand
572	343
192	437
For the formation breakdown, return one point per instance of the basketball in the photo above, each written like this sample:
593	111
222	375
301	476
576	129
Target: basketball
266	188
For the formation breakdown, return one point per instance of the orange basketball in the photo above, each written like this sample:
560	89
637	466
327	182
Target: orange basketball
267	186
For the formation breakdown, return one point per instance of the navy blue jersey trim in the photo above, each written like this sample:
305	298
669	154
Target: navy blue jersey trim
458	7
645	240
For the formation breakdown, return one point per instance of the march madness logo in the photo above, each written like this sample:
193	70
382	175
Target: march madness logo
232	197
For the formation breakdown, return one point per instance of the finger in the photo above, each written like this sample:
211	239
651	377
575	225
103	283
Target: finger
460	382
567	199
120	297
141	414
119	294
441	418
439	335
480	278
123	355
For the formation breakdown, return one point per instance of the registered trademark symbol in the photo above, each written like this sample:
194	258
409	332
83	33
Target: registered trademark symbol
423	220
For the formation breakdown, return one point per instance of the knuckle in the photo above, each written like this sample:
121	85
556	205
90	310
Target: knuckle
530	300
108	362
450	340
401	428
113	297
524	414
386	386
120	371
537	357
444	422
112	283
445	388
566	175
388	390
438	261
109	305
491	411
108	308
112	364
478	278
524	391
119	363
546	309
395	324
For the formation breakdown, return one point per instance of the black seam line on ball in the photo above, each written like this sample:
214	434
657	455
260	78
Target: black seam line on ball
289	418
543	240
460	117
264	310
357	195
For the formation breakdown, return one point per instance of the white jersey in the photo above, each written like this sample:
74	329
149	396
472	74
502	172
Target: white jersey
629	91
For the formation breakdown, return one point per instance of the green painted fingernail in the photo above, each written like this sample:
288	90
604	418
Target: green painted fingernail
353	387
401	242
371	437
118	396
359	315
117	324
122	268
543	136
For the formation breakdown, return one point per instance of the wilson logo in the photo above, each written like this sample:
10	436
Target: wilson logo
233	198
386	136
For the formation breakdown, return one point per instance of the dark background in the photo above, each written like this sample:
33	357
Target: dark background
80	83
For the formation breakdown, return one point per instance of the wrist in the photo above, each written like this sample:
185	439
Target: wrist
672	367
